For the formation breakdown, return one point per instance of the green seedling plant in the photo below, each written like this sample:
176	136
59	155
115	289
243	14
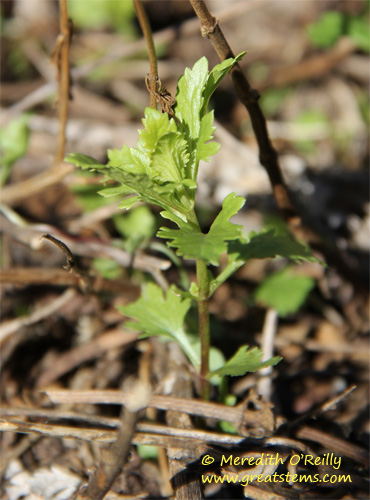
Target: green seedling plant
162	170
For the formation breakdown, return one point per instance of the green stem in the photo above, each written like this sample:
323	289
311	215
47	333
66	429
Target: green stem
147	32
204	332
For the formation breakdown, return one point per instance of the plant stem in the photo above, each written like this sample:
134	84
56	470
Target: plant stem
204	332
147	32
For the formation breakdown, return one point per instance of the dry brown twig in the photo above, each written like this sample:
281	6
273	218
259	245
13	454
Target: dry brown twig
210	29
268	157
42	311
258	422
185	483
312	67
29	234
61	58
58	277
73	358
167	437
113	460
147	32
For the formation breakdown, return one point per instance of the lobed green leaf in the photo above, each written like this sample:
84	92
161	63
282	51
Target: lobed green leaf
129	159
169	158
245	360
192	244
216	75
204	148
156	125
270	245
163	314
84	161
262	246
189	97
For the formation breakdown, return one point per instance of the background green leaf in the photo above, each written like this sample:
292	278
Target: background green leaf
101	14
107	268
359	31
137	227
284	291
326	31
13	144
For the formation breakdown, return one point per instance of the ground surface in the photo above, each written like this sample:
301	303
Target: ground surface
61	330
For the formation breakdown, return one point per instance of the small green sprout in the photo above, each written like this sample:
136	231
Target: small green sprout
162	170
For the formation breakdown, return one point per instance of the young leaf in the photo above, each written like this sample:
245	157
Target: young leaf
129	159
285	291
129	202
171	195
245	360
114	191
215	77
206	149
156	125
169	158
14	140
194	90
192	244
83	161
163	315
221	227
107	268
358	30
189	97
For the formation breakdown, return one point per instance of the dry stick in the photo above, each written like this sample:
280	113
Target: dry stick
334	444
267	347
249	97
186	484
267	154
61	54
69	256
147	32
9	327
58	277
169	437
14	193
21	230
114	459
112	339
311	67
235	415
